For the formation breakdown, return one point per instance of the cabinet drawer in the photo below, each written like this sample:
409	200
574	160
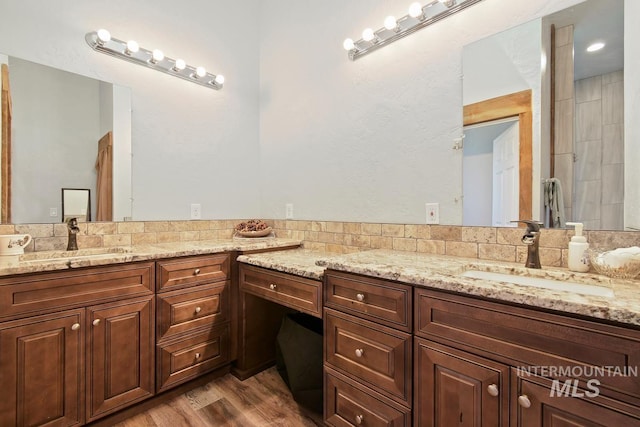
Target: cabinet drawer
26	294
373	354
286	289
378	300
532	339
188	309
188	358
349	404
183	272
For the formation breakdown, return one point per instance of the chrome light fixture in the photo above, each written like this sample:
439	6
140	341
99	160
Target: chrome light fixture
101	41
418	17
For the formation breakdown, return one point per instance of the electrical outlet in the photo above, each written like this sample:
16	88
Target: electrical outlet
433	213
196	211
288	211
53	211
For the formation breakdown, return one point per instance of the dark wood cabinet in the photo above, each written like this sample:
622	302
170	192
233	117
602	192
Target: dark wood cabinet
42	370
456	388
120	348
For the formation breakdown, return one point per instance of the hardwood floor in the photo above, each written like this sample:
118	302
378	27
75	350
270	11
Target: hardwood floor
262	400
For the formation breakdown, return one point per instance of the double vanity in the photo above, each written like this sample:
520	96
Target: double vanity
409	339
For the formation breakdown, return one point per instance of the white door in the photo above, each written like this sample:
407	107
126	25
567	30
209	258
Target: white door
506	177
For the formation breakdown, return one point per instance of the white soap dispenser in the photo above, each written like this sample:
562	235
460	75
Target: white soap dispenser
578	257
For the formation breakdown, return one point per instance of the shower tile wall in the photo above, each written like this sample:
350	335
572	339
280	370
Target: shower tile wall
599	149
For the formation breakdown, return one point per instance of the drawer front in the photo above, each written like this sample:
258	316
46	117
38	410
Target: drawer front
532	339
188	309
189	271
48	291
349	404
374	299
373	354
183	360
286	289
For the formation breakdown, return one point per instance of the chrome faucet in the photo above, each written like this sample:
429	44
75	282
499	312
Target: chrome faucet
531	238
72	227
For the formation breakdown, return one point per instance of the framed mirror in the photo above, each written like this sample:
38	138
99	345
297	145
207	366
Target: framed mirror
60	124
76	203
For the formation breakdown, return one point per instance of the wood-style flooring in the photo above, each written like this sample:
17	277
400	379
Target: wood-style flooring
262	400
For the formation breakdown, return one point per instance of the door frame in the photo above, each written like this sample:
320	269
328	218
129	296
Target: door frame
518	105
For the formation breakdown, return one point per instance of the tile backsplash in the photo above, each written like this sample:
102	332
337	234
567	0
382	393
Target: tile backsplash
490	243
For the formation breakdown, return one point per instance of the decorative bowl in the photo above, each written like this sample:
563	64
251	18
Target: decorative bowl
258	233
603	263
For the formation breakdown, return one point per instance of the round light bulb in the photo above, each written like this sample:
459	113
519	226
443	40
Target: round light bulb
103	35
219	79
180	64
595	47
415	10
390	23
367	35
201	72
132	46
157	55
348	44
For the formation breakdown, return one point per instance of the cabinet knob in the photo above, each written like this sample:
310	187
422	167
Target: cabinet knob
75	326
493	390
198	310
359	352
359	419
198	355
360	297
196	271
96	322
272	287
524	401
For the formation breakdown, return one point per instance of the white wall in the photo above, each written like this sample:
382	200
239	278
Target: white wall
631	123
190	144
371	139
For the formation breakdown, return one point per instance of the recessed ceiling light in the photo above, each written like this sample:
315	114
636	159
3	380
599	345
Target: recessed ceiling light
595	47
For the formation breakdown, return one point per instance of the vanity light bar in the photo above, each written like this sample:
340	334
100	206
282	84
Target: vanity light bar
101	41
418	17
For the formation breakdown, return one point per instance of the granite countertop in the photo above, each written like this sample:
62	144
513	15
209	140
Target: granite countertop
32	262
443	272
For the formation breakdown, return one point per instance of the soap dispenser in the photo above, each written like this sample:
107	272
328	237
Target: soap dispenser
578	258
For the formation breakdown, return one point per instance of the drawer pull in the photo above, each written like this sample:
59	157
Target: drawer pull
96	322
359	419
198	310
196	271
360	297
524	401
75	326
272	287
493	390
198	356
359	352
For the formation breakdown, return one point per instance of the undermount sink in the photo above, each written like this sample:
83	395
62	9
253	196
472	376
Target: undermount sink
81	253
538	282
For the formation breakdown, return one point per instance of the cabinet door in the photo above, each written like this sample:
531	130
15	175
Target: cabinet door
537	402
120	354
41	365
455	388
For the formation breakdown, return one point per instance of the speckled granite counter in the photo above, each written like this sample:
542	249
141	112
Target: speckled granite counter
444	272
62	260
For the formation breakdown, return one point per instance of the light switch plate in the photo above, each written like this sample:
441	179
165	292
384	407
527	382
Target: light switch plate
288	211
433	213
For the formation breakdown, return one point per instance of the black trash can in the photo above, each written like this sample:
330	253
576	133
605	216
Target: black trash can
299	358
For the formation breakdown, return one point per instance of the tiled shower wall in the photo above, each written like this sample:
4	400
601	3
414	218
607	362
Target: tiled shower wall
489	243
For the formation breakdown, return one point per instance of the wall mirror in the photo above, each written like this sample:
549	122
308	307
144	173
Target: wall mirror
577	116
76	203
60	122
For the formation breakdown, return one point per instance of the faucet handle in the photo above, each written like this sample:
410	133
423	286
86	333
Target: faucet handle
532	226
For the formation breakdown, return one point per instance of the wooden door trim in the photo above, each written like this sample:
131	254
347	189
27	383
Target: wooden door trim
518	105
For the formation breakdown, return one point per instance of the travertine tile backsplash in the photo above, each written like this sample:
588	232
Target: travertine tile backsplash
489	243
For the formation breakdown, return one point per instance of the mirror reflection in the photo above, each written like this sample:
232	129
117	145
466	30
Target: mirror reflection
76	203
578	109
66	131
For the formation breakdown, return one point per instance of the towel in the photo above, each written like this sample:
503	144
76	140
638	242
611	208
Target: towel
554	203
